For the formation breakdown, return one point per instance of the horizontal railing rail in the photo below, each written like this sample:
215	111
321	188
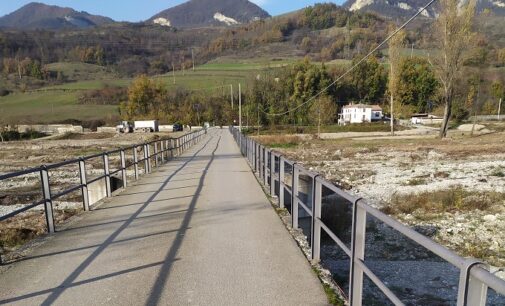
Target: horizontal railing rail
474	276
165	149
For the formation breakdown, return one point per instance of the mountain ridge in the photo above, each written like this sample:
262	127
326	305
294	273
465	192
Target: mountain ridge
407	8
201	13
37	15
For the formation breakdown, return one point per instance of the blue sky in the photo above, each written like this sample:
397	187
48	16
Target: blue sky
137	10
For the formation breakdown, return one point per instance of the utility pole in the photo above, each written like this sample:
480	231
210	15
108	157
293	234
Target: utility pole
412	51
193	58
173	71
240	106
392	117
499	109
231	86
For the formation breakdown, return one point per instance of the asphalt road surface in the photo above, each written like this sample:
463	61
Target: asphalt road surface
197	231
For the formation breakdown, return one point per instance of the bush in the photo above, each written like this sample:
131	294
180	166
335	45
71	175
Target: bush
4	92
459	113
442	201
16	136
105	96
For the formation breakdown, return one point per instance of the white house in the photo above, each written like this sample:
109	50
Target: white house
360	113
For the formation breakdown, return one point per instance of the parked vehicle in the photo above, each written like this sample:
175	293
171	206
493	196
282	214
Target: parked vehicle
124	127
178	127
147	126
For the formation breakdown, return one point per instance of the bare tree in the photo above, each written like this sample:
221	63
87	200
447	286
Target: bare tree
396	44
453	31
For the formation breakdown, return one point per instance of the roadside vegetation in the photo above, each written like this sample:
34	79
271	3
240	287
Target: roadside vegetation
429	205
8	135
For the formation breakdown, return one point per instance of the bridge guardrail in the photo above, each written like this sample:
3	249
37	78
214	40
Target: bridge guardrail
474	277
163	150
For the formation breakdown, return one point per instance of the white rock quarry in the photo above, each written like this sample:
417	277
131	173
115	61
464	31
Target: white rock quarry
404	6
359	4
228	20
162	22
499	3
425	13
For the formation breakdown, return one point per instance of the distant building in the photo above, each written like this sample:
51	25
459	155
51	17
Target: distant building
360	113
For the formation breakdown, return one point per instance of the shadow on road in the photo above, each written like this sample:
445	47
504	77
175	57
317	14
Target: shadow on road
157	289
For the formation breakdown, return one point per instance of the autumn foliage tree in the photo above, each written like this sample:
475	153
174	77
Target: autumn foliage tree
453	30
417	84
396	44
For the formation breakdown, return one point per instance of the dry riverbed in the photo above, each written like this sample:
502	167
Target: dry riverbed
454	186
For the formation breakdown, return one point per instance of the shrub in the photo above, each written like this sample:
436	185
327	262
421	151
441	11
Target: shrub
442	201
4	92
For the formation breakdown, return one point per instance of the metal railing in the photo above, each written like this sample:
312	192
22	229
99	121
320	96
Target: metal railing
158	151
474	277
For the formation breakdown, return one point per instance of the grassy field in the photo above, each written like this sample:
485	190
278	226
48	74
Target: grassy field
80	71
51	106
58	103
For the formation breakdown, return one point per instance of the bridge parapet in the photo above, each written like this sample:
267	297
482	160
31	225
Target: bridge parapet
138	159
303	193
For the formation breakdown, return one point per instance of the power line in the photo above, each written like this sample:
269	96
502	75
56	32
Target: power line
355	65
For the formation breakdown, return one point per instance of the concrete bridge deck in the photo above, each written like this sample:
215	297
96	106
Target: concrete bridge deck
199	231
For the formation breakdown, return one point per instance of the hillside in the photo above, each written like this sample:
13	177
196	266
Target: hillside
407	8
203	13
42	16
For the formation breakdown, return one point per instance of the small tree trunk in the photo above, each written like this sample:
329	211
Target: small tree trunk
258	119
392	118
447	117
475	111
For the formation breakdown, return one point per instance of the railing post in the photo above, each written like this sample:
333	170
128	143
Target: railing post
156	154
260	174
162	149
106	171
294	197
272	173
148	151
357	253
265	165
146	159
316	217
84	184
123	167
171	148
249	155
136	163
48	203
281	181
260	161
257	166
471	291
